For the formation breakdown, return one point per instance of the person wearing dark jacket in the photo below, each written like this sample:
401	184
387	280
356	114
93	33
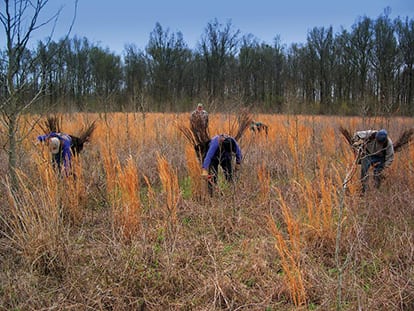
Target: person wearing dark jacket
377	151
220	152
60	148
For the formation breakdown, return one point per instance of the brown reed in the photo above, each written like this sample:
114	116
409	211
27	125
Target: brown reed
123	192
289	250
319	196
74	192
151	194
169	180
35	225
263	176
129	204
111	166
194	172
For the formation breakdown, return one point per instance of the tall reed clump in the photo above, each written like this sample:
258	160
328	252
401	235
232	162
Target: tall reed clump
68	186
194	172
169	180
151	194
320	197
298	142
111	165
129	205
263	176
289	250
123	193
74	192
34	222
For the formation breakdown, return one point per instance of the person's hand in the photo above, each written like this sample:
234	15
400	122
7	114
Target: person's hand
204	173
237	167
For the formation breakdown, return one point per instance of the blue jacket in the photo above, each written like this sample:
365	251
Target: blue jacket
216	150
65	142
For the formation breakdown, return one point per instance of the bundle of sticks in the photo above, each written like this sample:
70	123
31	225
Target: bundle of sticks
403	139
199	136
54	124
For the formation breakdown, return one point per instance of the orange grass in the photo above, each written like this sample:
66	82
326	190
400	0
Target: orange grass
194	172
264	182
304	158
289	250
35	221
75	194
123	189
169	182
130	202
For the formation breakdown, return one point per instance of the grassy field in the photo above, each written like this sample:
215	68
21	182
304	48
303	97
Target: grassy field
136	229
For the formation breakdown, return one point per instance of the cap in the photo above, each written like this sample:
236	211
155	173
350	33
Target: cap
199	105
54	144
381	135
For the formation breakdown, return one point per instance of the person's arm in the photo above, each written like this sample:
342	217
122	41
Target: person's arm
42	138
214	145
237	151
389	153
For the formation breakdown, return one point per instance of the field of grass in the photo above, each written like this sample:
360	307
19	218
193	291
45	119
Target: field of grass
136	229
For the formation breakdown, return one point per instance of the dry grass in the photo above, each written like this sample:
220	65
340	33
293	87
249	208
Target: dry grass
135	230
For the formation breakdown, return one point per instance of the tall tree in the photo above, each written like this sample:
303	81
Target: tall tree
167	56
384	61
247	76
78	71
218	45
358	52
135	73
405	32
320	43
107	76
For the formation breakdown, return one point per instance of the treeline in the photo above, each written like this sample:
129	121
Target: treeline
365	70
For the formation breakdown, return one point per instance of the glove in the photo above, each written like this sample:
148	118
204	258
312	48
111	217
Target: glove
204	173
237	167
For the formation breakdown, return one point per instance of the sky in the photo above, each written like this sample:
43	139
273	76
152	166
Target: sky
113	24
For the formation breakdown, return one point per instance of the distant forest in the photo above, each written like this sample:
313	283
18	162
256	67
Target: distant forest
367	70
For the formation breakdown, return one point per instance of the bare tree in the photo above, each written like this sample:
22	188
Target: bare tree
19	20
218	45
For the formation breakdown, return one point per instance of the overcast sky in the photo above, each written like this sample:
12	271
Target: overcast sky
112	24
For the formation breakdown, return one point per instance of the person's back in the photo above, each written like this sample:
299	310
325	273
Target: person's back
376	143
376	150
220	152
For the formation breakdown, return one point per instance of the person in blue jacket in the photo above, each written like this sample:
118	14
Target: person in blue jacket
60	148
220	152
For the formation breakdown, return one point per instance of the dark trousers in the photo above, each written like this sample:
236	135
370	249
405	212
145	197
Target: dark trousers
213	170
378	163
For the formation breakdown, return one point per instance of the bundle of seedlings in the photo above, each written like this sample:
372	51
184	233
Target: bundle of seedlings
54	124
198	135
356	145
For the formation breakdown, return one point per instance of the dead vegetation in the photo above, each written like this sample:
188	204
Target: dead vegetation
134	231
